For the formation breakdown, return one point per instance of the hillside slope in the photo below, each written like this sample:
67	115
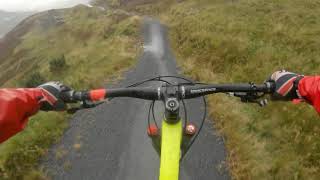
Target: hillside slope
82	47
242	41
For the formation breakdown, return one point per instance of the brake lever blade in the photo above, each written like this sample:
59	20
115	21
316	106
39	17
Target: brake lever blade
73	110
263	102
88	105
250	98
84	105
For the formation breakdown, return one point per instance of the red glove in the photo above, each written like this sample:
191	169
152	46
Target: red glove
291	86
53	102
286	85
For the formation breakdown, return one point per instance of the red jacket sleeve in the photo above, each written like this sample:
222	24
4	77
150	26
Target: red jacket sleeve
16	106
309	88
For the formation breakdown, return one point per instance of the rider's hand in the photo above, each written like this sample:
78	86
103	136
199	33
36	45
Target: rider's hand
286	85
51	101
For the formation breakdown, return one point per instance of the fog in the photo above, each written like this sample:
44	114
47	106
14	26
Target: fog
37	5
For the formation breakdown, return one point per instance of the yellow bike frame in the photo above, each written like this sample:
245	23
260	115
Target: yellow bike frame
170	150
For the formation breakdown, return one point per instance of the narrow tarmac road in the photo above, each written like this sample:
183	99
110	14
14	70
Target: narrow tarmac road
110	141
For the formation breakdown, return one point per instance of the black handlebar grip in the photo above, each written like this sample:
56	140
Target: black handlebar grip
271	86
67	97
74	96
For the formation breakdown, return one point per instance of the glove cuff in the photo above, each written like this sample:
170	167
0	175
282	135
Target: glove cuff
296	86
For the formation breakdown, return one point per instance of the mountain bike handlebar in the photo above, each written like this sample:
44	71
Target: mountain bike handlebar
183	91
202	90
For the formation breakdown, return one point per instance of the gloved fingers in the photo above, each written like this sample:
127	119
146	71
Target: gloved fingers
62	86
278	74
274	76
65	88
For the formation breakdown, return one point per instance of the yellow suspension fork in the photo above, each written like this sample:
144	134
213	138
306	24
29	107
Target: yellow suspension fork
170	150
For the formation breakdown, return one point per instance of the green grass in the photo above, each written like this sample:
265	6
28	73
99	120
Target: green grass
98	47
242	41
19	155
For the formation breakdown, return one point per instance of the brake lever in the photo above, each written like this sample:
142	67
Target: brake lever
250	98
84	105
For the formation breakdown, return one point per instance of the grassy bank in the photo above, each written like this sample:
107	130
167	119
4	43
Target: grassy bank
242	41
85	48
245	41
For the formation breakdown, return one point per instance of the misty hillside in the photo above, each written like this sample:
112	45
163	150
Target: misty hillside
8	20
83	47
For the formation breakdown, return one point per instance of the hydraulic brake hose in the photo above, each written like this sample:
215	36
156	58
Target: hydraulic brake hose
202	90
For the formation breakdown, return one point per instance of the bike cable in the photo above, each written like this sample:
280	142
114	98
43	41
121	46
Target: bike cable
151	108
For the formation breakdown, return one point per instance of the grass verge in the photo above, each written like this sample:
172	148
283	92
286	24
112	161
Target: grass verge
242	41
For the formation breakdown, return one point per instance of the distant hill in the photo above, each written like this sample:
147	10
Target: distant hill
8	20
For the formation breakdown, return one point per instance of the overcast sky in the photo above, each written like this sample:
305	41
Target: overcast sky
37	5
